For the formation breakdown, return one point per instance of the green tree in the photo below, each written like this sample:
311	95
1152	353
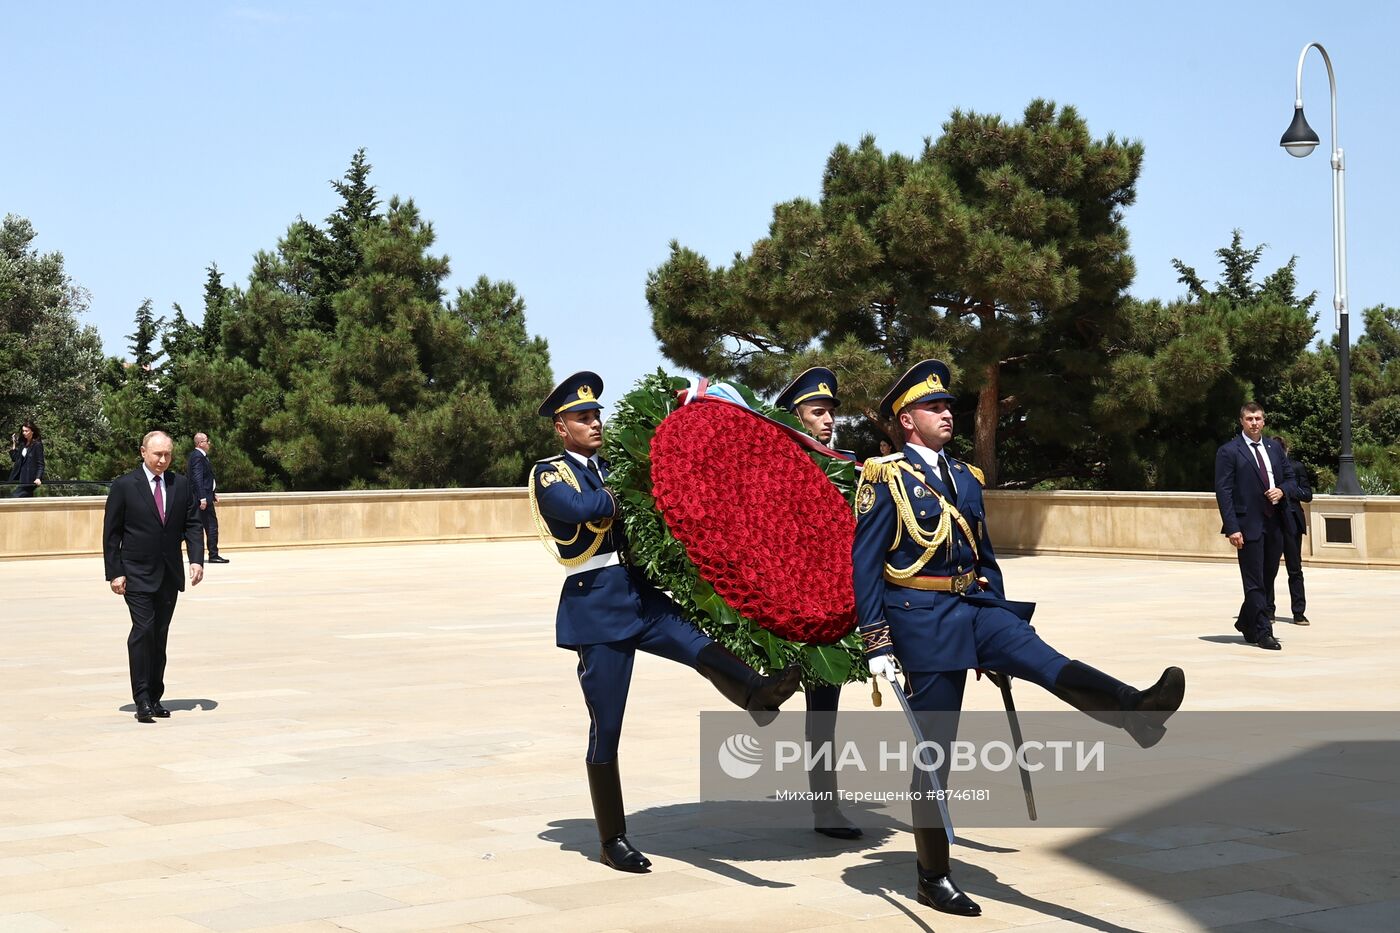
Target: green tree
50	363
132	396
215	299
1179	371
341	364
1001	248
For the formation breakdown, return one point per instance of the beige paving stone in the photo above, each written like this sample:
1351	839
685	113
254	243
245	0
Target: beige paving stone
251	916
428	916
30	923
404	752
157	909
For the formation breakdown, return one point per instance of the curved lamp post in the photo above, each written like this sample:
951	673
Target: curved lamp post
1300	140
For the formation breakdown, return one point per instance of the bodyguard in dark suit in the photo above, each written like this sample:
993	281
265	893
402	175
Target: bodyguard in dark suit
812	398
608	610
149	512
1252	482
931	604
1294	527
201	474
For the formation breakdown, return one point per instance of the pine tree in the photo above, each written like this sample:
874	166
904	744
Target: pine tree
50	363
1000	248
215	296
342	366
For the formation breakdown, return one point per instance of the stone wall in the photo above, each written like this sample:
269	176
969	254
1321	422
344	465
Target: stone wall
1174	526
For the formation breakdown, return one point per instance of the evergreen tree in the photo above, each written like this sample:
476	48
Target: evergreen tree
342	366
1000	248
132	397
215	297
50	363
1180	371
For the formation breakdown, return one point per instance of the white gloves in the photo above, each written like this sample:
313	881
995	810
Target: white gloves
884	665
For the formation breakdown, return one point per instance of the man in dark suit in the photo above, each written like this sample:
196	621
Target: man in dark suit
1294	527
608	610
149	511
201	474
1252	482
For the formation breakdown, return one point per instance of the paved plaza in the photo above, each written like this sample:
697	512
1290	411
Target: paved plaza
386	739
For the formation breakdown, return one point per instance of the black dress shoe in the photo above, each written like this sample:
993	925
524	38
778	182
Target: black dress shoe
144	713
216	559
160	711
833	823
1269	642
1247	637
620	854
940	893
1301	620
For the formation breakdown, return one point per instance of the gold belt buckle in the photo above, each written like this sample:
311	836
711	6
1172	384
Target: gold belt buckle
959	584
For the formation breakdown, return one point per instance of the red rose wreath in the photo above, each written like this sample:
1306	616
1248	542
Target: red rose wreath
758	519
747	530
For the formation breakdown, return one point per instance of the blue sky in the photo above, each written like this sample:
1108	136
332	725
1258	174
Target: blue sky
562	146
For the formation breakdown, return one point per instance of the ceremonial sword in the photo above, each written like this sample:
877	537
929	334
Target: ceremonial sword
1003	681
920	749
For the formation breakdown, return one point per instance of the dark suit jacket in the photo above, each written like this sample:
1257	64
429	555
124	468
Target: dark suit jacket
1297	519
201	473
27	469
1239	492
136	545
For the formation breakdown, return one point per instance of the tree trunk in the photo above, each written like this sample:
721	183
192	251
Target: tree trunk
984	444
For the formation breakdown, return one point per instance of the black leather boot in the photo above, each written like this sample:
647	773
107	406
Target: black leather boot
827	817
936	886
745	687
605	787
1141	713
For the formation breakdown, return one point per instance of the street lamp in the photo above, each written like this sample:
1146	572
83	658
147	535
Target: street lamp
1300	140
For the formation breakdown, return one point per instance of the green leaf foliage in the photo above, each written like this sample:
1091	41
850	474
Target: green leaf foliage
51	365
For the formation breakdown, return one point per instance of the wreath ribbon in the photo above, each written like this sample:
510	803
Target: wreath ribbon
700	391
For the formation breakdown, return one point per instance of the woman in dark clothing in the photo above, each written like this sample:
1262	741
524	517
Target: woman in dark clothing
27	452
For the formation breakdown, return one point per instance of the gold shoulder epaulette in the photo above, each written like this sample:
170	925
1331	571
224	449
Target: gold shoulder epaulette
978	474
880	469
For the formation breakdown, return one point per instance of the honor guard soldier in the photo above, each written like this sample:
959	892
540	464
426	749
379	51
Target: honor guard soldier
930	601
812	398
608	610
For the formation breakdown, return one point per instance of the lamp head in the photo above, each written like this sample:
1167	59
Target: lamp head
1299	139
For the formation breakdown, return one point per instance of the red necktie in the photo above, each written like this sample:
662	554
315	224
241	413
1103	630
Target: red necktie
160	500
1259	460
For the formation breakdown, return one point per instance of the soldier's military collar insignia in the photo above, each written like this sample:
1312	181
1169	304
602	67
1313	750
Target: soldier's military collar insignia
957	466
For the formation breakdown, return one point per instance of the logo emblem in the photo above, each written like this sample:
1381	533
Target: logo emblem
919	492
865	499
823	388
585	393
740	756
548	478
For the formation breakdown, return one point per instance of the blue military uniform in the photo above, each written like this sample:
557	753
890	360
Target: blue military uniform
929	590
819	385
608	611
927	583
938	590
